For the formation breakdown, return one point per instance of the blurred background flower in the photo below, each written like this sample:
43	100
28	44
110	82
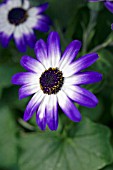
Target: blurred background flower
18	20
86	145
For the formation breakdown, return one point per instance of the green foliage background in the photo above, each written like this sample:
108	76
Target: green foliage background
87	145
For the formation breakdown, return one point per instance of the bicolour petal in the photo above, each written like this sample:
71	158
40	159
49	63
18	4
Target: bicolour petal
81	96
52	112
109	6
44	18
41	114
32	64
4	39
30	38
88	77
42	25
69	54
42	8
54	51
33	105
80	64
27	90
41	53
25	78
6	32
37	10
19	39
68	107
28	35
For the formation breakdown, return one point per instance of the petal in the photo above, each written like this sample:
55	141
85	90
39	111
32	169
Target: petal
30	38
81	96
33	12
6	34
41	53
42	8
41	114
26	4
68	107
70	53
109	6
10	4
80	64
44	18
52	112
19	39
27	90
54	51
4	39
25	78
31	22
84	78
33	105
32	64
37	10
42	25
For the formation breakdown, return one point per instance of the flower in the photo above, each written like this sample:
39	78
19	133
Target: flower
18	20
54	78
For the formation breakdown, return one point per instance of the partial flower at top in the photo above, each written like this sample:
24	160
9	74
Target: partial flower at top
18	20
108	4
55	78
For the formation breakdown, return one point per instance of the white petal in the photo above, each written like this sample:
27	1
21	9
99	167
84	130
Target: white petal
8	29
31	22
26	4
32	11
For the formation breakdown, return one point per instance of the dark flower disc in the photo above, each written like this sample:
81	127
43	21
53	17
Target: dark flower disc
17	16
51	81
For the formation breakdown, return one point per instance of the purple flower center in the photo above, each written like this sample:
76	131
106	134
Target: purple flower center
51	81
17	16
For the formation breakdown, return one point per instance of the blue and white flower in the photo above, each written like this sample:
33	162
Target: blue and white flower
55	78
19	21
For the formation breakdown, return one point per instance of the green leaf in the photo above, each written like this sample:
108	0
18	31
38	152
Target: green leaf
8	143
110	167
89	148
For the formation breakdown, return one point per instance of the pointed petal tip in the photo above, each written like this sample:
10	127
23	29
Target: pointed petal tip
100	76
46	4
53	128
78	119
25	118
14	78
41	125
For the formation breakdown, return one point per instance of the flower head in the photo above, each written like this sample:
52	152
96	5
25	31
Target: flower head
55	78
18	20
